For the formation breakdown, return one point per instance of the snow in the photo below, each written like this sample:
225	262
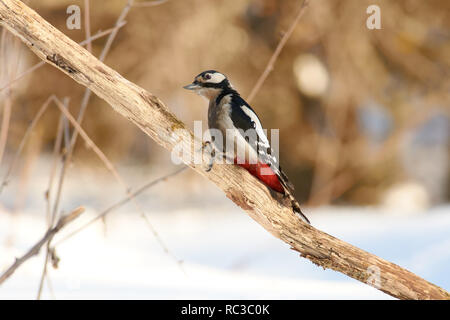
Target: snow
225	254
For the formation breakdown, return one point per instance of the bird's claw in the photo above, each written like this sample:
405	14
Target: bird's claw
205	145
212	153
209	167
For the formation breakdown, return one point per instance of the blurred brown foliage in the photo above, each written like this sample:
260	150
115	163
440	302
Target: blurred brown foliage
402	69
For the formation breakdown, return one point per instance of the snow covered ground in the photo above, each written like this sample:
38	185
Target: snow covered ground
225	254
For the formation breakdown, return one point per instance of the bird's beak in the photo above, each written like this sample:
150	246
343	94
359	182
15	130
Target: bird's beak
192	86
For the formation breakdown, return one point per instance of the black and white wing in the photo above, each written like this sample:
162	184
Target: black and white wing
245	118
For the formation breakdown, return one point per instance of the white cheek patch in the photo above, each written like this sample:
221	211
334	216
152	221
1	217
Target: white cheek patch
216	77
208	93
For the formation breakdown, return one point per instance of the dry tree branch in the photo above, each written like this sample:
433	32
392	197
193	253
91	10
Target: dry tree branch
152	116
62	222
276	53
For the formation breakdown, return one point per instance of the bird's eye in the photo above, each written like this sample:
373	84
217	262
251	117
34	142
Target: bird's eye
207	76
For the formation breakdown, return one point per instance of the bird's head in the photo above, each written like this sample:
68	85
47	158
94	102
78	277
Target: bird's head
209	84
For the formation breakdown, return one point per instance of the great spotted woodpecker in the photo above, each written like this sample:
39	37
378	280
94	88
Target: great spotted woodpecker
234	118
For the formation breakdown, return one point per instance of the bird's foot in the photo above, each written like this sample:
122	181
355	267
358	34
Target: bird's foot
212	154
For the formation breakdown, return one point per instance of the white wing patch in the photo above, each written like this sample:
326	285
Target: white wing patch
258	126
263	146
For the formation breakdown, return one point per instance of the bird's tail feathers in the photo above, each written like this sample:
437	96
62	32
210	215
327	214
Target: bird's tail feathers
298	211
289	192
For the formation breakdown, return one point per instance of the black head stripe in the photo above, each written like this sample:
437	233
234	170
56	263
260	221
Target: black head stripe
221	85
201	75
200	80
208	71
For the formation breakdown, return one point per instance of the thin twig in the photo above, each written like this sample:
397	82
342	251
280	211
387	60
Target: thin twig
73	140
89	142
44	271
56	151
85	102
273	59
27	134
113	34
87	24
76	124
62	128
5	124
62	222
120	203
345	181
116	174
7	106
149	3
99	35
50	288
65	159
